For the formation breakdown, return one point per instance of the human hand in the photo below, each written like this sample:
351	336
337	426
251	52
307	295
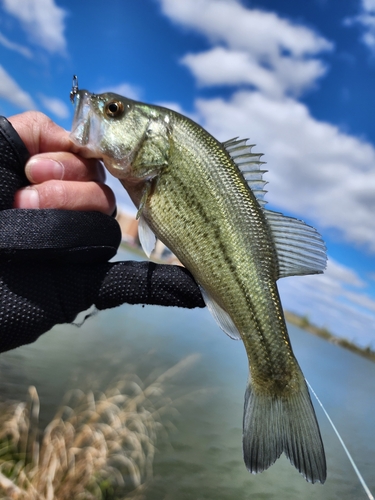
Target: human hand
58	178
54	263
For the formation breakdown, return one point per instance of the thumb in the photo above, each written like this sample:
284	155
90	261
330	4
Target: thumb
39	133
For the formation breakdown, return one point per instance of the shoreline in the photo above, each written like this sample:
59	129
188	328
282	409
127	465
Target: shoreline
304	323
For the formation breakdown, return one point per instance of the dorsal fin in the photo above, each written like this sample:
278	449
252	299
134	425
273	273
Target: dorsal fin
300	248
249	165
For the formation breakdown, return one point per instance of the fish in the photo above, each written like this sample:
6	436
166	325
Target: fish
204	199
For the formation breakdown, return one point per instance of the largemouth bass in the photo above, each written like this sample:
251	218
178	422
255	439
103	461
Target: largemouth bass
204	200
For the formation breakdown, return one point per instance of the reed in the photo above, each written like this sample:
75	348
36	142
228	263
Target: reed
98	446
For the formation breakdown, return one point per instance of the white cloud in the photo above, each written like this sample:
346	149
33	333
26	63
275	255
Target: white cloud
315	170
55	106
15	47
365	18
263	33
221	66
261	49
12	92
124	89
43	21
329	300
343	275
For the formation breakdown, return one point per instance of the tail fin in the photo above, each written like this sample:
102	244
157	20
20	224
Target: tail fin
275	424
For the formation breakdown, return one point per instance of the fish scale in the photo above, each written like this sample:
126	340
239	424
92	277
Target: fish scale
212	259
191	193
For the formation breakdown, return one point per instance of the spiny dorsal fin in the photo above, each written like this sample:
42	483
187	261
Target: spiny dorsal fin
249	165
300	248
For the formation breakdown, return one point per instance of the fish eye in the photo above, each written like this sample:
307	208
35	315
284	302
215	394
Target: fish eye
114	109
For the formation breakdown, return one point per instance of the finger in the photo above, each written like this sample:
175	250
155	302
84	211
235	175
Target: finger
63	166
39	133
68	195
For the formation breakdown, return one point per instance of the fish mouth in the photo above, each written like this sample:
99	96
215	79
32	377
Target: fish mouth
85	132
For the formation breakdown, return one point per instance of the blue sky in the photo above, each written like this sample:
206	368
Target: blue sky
296	77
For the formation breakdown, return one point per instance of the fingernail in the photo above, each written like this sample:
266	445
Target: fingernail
28	198
44	169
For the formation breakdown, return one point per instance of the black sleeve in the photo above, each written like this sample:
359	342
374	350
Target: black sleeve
54	263
13	157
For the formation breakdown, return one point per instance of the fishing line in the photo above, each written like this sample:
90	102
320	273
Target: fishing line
359	475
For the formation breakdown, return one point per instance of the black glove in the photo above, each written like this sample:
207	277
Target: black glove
54	263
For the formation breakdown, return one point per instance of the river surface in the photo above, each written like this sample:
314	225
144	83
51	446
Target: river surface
201	458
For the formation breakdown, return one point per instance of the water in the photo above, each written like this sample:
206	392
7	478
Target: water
202	457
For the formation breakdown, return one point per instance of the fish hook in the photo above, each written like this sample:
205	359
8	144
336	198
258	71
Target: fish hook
74	90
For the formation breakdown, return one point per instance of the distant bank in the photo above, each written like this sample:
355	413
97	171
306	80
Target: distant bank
130	241
304	323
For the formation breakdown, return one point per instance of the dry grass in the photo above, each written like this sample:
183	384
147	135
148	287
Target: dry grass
98	446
